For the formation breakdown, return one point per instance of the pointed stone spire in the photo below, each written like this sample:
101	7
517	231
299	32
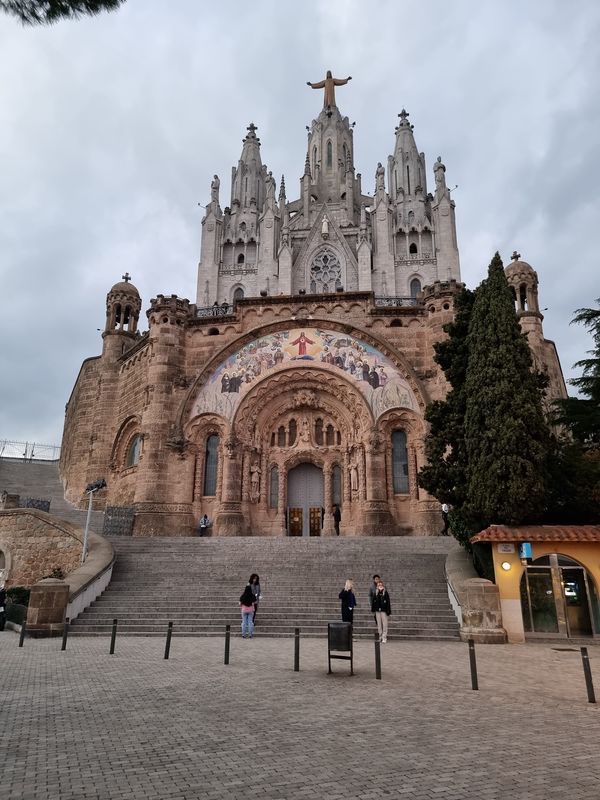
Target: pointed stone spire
407	170
307	165
282	189
249	177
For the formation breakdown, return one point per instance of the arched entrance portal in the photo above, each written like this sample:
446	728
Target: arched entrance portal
558	597
305	500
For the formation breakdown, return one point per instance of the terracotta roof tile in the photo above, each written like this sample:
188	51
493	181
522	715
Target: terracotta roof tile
539	533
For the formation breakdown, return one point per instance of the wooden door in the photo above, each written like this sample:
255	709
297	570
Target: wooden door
295	522
316	516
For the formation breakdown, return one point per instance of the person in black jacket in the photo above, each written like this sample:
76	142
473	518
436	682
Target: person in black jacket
348	602
382	609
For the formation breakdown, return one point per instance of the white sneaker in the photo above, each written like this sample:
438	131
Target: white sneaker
383	639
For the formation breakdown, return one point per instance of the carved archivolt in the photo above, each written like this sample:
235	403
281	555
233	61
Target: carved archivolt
278	398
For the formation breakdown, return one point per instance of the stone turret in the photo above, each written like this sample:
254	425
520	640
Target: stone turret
123	304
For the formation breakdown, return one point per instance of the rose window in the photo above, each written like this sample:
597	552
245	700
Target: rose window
325	273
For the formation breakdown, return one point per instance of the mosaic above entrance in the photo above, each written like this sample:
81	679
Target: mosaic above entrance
373	373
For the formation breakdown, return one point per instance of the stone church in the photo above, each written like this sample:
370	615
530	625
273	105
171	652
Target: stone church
299	378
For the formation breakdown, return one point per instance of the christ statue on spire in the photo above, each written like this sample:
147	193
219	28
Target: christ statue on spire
329	85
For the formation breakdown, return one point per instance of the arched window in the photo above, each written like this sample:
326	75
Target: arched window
292	430
415	288
238	294
336	486
240	258
211	463
329	435
319	431
274	487
345	158
329	154
134	451
399	462
523	297
413	249
314	161
281	436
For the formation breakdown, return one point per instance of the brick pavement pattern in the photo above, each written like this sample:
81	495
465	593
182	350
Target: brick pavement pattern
84	725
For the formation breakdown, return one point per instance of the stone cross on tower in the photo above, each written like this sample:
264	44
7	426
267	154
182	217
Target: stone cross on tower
126	277
329	85
515	256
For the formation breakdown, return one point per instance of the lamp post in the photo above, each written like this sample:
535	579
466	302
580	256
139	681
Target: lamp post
91	488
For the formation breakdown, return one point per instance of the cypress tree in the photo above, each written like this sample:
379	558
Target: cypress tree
444	476
506	436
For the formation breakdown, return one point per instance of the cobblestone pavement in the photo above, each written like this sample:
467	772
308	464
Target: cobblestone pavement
84	724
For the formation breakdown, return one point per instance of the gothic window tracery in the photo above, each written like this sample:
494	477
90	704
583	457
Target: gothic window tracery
325	273
399	462
211	463
329	154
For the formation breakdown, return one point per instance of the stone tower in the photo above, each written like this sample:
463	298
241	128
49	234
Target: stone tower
333	237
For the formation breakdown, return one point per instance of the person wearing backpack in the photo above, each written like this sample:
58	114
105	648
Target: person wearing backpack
247	607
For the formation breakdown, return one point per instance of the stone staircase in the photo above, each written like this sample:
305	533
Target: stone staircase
40	480
196	583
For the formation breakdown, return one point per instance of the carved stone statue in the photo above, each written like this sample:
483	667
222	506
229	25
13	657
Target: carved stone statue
380	177
439	171
214	189
325	228
270	187
329	85
304	434
354	476
255	473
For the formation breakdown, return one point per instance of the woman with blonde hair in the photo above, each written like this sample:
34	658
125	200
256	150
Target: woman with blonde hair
348	602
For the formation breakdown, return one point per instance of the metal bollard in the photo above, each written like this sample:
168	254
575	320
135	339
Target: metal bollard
113	636
168	642
22	636
588	675
227	637
65	634
296	649
377	657
473	663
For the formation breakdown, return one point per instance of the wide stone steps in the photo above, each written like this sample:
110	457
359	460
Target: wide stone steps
196	583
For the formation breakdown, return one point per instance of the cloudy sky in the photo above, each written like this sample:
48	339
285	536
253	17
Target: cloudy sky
112	127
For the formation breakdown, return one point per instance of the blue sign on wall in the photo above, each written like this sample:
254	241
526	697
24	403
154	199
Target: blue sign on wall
525	551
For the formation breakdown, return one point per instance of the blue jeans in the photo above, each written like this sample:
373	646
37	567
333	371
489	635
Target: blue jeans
247	623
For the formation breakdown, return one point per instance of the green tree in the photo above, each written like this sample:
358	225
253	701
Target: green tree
444	476
46	12
506	435
581	415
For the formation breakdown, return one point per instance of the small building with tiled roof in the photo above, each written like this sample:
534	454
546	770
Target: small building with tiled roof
548	578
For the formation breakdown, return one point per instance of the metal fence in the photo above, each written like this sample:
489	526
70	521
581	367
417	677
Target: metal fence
29	451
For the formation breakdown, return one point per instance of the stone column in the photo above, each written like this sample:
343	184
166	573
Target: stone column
229	520
328	528
379	520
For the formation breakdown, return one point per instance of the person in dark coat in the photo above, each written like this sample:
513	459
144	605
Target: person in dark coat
337	518
255	586
348	602
382	609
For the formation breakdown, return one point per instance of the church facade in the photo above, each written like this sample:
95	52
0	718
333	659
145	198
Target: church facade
298	380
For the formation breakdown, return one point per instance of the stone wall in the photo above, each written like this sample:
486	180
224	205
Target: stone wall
34	544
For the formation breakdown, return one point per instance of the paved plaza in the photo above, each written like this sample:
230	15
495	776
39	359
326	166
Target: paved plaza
85	724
